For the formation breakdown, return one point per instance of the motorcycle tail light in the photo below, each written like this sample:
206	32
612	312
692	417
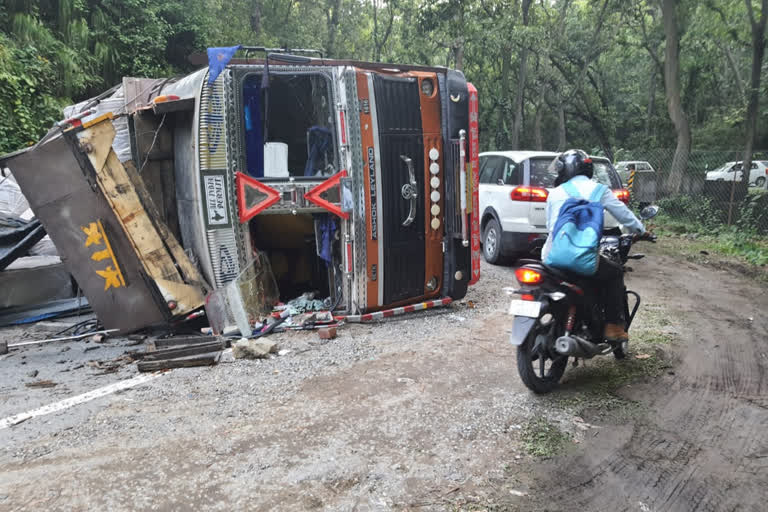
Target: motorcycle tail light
526	296
531	194
528	276
622	195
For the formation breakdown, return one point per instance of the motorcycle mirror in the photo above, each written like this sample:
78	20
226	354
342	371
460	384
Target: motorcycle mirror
649	212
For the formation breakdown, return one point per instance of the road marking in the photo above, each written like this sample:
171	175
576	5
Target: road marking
79	399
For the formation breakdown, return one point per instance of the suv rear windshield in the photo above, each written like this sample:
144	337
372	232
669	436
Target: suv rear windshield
603	173
541	176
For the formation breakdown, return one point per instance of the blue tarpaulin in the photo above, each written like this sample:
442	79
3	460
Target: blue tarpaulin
218	58
254	137
327	230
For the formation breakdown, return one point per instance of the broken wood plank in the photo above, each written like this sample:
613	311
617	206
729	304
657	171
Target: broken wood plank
173	353
188	270
165	364
41	384
183	340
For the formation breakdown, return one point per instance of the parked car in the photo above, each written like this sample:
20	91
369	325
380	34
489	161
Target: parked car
625	168
758	173
514	186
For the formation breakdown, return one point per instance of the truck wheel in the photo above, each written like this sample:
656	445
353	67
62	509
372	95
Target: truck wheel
760	182
492	242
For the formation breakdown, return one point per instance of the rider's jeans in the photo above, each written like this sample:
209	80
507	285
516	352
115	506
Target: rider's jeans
612	277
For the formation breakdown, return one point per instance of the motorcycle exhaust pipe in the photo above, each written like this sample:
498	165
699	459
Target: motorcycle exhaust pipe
579	347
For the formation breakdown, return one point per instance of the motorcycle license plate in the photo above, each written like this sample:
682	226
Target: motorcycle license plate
527	308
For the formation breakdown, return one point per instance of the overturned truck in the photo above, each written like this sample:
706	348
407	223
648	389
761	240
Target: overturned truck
356	181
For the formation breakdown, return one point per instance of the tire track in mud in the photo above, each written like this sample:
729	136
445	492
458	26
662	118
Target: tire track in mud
703	446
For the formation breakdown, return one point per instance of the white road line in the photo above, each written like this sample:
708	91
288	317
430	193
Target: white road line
78	399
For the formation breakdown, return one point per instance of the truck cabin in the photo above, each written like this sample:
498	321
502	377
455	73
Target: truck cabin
354	183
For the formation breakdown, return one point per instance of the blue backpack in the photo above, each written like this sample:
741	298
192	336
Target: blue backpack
577	233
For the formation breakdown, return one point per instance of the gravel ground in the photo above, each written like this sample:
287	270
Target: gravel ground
391	389
423	412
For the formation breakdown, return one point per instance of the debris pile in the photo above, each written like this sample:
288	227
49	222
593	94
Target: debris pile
180	352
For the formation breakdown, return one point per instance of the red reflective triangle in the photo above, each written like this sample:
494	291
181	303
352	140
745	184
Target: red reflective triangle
246	212
314	194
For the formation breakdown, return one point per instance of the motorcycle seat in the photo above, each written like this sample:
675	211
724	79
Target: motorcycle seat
582	282
561	274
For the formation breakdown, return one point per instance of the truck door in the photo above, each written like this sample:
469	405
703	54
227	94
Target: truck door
401	150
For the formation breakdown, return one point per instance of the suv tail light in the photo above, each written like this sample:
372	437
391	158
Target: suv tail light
532	194
622	195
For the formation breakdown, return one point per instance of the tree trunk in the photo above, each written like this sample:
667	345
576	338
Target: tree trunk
380	40
758	51
333	27
256	17
503	111
561	140
737	79
651	102
458	54
376	50
517	127
674	103
537	139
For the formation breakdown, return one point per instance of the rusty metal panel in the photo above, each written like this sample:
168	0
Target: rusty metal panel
60	184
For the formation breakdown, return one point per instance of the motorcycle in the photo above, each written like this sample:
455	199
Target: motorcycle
560	315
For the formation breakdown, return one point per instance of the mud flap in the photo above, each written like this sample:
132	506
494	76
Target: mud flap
521	327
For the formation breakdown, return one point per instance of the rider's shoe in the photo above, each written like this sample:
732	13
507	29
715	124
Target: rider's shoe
615	332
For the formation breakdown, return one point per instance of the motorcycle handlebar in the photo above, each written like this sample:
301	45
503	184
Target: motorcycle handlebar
646	237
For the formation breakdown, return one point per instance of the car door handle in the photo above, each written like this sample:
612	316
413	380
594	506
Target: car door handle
410	190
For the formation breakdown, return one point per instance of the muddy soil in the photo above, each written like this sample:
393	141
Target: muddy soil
702	444
424	414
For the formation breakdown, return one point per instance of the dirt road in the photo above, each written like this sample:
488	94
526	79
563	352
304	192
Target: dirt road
429	414
702	443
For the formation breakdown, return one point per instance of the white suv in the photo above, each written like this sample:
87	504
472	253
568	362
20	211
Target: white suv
625	168
514	186
758	172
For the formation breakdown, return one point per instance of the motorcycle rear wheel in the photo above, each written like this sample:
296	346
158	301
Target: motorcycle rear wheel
530	359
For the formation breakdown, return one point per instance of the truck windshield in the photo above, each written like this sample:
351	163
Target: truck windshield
288	128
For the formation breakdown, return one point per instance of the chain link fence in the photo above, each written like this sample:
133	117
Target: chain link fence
711	195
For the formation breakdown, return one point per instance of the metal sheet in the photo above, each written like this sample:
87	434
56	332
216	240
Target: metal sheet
400	134
359	179
62	196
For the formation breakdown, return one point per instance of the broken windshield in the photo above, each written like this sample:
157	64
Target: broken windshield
289	126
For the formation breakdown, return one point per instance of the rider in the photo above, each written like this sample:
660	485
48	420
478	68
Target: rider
576	166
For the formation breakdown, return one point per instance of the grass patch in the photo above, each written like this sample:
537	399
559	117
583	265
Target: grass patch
543	439
590	389
738	247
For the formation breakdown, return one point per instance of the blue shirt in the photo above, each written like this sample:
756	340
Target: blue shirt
585	186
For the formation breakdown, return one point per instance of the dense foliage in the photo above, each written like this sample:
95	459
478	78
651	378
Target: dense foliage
551	73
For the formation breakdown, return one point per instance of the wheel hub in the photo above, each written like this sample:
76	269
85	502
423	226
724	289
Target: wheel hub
490	241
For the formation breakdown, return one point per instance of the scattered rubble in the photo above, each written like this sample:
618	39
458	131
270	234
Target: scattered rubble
246	348
327	333
179	352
